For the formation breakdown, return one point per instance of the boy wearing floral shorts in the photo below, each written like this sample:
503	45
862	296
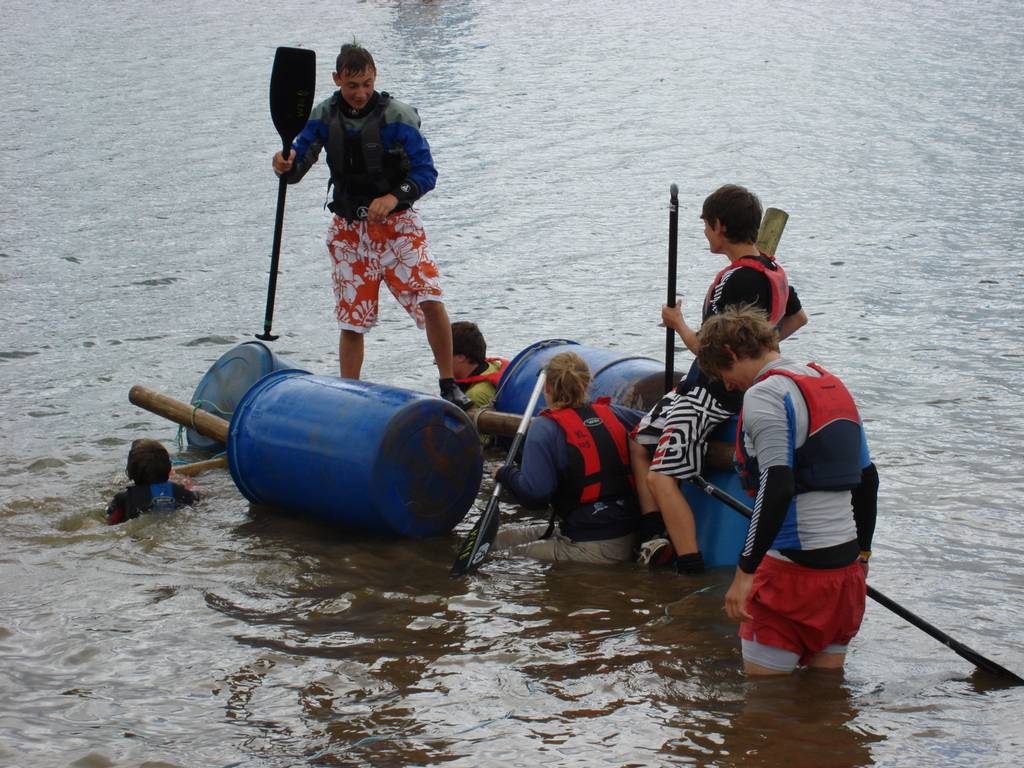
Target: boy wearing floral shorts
380	165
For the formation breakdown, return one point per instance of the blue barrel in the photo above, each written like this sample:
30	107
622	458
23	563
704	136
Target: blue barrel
358	455
638	382
629	380
721	530
230	377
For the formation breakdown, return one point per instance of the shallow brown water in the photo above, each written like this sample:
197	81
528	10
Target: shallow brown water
136	208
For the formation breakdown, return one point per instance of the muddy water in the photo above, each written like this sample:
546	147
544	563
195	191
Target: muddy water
136	211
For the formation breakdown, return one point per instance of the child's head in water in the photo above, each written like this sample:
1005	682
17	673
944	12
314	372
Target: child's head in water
148	462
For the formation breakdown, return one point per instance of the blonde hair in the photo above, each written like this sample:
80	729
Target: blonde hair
568	381
743	332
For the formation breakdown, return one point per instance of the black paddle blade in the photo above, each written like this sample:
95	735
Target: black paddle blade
954	645
292	85
478	541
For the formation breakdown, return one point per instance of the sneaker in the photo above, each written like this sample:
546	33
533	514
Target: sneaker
450	391
656	553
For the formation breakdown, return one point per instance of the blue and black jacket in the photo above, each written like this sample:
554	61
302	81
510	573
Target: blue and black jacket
370	152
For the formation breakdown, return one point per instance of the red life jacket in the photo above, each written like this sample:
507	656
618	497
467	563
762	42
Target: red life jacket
830	458
493	377
776	279
598	456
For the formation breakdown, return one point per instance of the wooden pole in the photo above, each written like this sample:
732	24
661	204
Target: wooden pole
490	422
198	467
181	413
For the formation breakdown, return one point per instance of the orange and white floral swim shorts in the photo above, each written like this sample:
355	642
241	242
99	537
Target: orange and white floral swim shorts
363	253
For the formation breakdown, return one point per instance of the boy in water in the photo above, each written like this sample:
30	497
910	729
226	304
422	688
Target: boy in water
799	585
380	165
149	468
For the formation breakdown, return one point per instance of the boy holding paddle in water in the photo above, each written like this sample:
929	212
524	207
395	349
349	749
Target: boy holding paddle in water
677	428
380	165
799	588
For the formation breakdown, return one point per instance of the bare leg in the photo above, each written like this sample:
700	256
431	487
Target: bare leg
827	661
439	336
350	354
640	462
675	511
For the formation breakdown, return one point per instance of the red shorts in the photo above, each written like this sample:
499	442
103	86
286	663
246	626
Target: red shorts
363	254
804	610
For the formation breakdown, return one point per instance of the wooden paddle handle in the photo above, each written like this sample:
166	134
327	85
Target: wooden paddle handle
181	413
770	232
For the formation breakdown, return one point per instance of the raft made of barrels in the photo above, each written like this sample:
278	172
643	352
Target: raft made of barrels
353	454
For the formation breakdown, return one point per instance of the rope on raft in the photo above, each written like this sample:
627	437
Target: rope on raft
179	437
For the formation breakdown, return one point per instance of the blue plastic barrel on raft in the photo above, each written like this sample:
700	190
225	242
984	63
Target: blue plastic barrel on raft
227	380
638	382
358	455
630	380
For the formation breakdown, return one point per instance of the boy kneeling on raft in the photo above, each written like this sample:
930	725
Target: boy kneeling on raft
476	374
669	442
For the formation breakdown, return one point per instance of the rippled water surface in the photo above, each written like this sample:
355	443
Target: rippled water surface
136	215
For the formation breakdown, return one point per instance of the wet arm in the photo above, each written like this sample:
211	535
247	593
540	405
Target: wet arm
865	507
792	323
766	424
116	509
306	146
422	175
673	318
795	317
534	482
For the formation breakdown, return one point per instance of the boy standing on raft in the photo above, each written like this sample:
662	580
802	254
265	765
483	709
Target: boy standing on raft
380	165
677	428
799	588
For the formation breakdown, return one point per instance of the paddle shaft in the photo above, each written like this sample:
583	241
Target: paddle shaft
956	646
477	544
673	246
275	257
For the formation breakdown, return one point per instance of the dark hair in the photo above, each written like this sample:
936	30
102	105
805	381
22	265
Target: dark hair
739	332
467	340
353	59
148	462
738	210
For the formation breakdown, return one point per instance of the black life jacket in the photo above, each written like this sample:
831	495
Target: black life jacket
830	458
598	457
157	497
382	170
772	271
